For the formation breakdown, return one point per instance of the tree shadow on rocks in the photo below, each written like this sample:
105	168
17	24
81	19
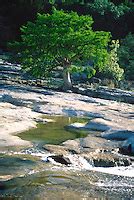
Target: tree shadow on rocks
32	103
26	89
73	112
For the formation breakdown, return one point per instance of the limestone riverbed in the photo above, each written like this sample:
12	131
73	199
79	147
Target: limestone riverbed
82	160
21	106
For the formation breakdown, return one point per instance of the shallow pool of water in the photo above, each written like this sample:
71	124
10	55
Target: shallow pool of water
54	132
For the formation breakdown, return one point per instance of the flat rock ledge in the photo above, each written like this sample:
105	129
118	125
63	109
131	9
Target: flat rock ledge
106	93
109	131
12	74
15	119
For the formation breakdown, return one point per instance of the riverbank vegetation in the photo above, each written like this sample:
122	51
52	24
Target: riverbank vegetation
43	50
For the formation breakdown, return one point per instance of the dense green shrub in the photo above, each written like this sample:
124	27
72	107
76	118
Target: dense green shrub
112	69
126	56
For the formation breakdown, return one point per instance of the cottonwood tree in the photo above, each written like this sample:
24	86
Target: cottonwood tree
60	40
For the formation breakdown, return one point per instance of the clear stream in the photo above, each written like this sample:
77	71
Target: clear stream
25	174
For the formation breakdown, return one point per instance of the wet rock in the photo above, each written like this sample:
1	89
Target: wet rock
2	186
127	146
60	159
126	150
91	143
69	147
101	158
106	159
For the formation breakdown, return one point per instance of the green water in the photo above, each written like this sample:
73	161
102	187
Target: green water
54	132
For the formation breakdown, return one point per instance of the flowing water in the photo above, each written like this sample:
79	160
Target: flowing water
25	174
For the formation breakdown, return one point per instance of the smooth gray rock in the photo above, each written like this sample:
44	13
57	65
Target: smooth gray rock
117	134
97	143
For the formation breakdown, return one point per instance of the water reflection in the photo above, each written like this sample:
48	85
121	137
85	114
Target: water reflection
54	132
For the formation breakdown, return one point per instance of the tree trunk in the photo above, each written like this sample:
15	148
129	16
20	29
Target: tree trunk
67	79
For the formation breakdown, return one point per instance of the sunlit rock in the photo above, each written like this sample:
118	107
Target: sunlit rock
91	143
97	124
56	149
73	146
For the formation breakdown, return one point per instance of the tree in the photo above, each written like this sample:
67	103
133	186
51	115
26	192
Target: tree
61	40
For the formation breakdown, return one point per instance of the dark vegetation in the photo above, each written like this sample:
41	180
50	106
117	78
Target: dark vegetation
116	17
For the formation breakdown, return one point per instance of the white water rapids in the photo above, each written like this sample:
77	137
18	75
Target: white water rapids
80	163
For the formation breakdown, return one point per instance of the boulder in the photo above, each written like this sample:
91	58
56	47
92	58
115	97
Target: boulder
59	159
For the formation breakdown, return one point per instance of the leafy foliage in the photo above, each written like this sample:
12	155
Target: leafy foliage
105	6
84	71
60	40
126	56
112	69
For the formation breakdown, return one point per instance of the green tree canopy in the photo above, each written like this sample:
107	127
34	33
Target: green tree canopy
60	40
